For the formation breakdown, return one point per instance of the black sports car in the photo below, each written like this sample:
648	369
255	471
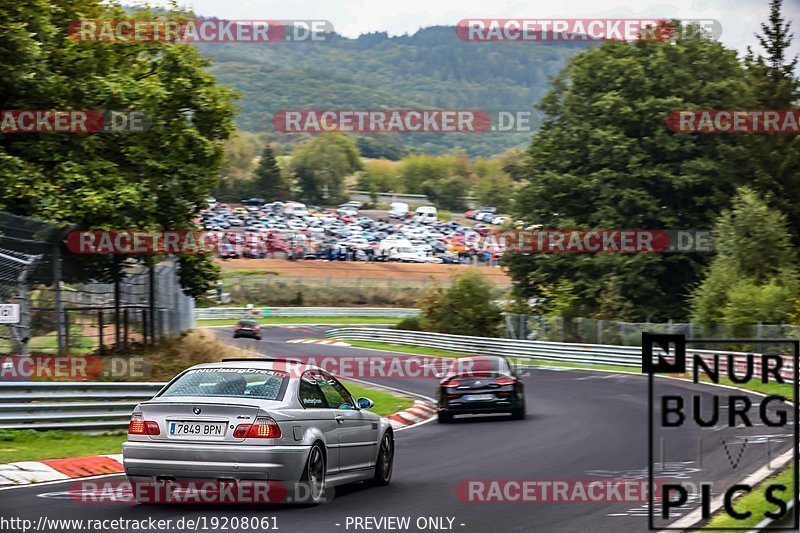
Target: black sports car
485	384
247	328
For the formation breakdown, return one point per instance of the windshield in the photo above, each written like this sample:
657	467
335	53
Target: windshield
262	384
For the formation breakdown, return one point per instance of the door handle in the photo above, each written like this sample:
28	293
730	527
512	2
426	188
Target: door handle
339	418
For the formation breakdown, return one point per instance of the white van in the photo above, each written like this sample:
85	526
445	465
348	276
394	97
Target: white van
295	208
426	214
398	210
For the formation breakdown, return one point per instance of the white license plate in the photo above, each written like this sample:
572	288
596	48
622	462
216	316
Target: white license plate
478	397
196	429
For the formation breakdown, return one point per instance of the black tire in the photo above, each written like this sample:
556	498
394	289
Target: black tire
444	417
518	413
385	463
314	475
235	336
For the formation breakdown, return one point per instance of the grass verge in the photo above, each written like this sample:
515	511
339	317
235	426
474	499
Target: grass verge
386	403
31	445
302	320
755	502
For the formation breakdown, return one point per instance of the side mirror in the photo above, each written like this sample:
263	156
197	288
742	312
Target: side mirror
364	403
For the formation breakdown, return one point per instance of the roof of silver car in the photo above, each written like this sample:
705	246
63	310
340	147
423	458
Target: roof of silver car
259	362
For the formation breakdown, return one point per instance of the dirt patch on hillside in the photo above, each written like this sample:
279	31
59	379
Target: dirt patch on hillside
350	269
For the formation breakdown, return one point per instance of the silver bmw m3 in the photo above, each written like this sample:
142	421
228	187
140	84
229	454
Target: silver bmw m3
258	420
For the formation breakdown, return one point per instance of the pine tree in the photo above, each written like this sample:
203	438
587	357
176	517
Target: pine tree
268	181
774	160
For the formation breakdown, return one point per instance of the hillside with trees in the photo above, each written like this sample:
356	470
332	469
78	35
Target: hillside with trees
431	69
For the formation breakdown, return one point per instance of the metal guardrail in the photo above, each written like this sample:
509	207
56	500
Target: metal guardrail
416	199
107	405
564	352
266	312
548	351
71	405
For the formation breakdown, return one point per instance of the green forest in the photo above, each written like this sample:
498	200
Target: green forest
430	69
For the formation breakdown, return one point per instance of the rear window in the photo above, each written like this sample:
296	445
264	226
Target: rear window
248	323
466	366
255	383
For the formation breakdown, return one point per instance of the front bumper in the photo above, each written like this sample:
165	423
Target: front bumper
186	461
247	334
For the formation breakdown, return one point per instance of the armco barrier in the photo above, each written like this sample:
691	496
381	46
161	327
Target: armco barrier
107	405
266	312
71	405
564	352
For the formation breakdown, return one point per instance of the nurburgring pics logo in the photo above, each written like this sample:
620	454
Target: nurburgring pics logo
199	31
575	30
71	121
730	426
734	121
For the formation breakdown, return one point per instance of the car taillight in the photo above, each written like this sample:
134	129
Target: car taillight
238	326
451	383
264	428
139	426
505	381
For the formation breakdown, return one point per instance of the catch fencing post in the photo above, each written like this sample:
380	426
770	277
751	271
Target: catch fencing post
100	329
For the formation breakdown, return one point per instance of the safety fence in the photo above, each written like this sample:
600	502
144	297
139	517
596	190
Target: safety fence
599	331
71	405
558	352
265	312
107	405
77	304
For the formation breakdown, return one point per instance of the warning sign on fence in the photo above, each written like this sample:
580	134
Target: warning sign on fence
9	313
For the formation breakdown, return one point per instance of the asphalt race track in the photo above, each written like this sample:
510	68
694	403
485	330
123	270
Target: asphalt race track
580	426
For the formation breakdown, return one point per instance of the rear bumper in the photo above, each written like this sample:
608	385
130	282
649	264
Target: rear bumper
472	407
185	461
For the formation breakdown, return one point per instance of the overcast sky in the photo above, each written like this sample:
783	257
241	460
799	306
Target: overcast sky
739	18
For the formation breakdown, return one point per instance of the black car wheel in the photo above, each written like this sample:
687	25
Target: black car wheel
314	475
383	468
519	412
444	417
